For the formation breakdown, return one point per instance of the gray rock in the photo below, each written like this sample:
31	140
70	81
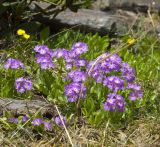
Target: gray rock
24	106
119	3
132	5
89	21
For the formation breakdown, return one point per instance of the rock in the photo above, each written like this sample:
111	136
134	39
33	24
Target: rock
135	5
120	3
88	21
24	106
131	5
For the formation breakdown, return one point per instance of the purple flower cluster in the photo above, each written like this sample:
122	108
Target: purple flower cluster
114	83
61	53
25	118
106	65
79	70
22	84
13	120
13	63
113	63
128	73
58	120
114	102
81	63
79	48
39	121
77	76
72	59
74	91
103	67
48	126
102	72
136	93
44	56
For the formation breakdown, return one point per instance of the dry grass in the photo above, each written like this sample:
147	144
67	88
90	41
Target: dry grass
139	133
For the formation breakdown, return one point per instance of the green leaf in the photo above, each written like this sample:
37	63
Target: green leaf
44	34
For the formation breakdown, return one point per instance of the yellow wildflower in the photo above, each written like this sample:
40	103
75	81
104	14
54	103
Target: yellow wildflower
20	32
131	41
26	36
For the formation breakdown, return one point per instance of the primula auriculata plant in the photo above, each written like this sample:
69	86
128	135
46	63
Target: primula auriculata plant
39	124
100	89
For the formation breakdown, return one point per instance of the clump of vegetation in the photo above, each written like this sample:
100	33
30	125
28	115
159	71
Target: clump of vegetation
97	89
86	81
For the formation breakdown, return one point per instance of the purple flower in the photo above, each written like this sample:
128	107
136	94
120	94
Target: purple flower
72	98
129	76
81	63
135	94
42	49
58	53
13	120
68	66
110	104
134	86
114	102
25	118
74	91
125	67
47	126
37	122
13	63
115	58
113	66
89	65
22	85
69	60
45	61
43	58
58	121
119	103
98	76
77	76
128	73
103	66
47	65
51	53
79	48
113	63
114	83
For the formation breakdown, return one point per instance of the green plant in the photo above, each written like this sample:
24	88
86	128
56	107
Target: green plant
51	83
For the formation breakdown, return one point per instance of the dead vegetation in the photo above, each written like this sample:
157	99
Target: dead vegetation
139	133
